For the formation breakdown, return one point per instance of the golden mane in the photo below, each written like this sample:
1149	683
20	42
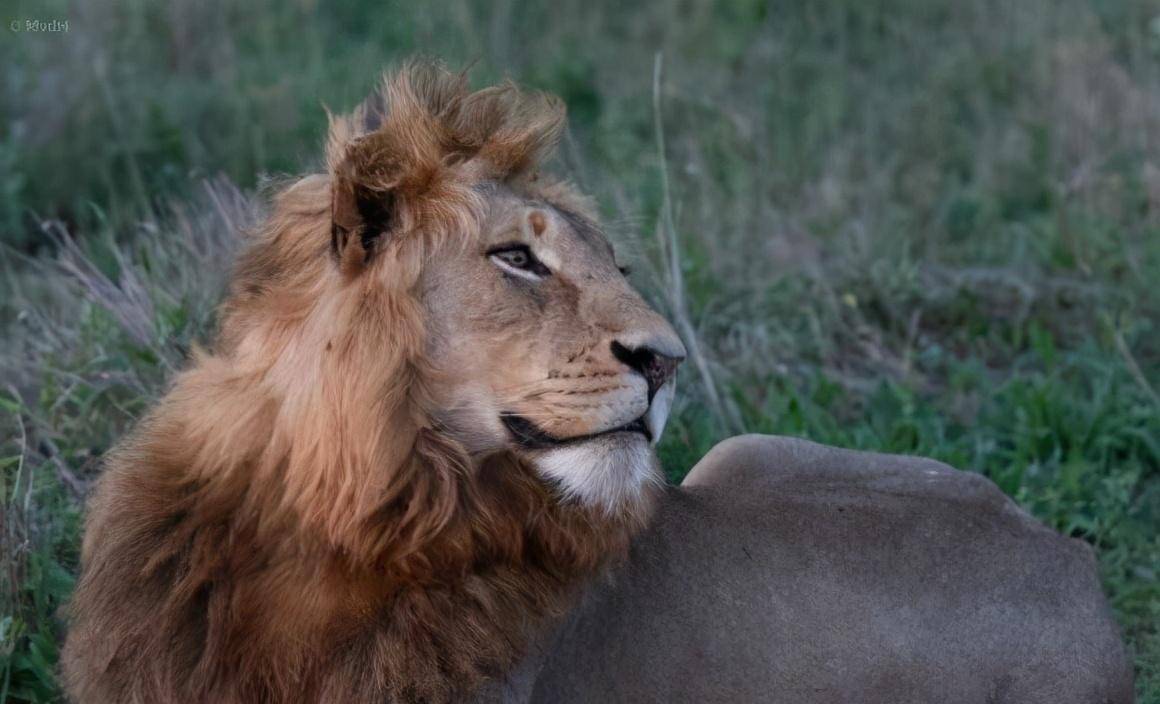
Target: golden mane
289	523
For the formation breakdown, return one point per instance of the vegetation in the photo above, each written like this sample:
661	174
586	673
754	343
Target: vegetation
915	226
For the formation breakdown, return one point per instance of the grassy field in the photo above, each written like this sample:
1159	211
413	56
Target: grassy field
918	226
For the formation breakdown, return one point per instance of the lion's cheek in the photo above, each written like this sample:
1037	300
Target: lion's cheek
469	415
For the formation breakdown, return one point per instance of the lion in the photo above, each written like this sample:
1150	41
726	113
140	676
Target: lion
416	464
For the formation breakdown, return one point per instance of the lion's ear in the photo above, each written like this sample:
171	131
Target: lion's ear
360	221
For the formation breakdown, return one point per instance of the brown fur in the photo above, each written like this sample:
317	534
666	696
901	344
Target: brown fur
289	523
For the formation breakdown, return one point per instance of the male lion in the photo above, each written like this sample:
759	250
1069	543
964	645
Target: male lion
411	465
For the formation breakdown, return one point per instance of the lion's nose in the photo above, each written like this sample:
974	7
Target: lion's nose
656	368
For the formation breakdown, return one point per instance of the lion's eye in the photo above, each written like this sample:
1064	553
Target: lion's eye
518	260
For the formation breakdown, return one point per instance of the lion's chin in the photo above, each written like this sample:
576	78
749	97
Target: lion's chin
613	472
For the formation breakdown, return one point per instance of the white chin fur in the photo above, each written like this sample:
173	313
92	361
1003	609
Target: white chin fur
604	472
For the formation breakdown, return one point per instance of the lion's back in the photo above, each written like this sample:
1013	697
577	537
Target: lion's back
788	571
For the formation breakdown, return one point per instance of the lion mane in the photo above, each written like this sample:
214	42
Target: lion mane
290	523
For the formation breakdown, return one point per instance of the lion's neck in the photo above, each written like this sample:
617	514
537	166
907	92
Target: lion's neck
461	610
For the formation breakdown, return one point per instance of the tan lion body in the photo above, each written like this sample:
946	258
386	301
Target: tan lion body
423	430
789	572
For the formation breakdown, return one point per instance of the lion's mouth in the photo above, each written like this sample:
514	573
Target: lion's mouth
530	436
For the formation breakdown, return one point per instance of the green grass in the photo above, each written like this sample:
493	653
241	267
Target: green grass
908	226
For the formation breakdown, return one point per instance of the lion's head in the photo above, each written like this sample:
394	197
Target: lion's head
535	342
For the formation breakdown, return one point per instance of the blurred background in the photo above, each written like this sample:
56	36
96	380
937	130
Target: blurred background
916	226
